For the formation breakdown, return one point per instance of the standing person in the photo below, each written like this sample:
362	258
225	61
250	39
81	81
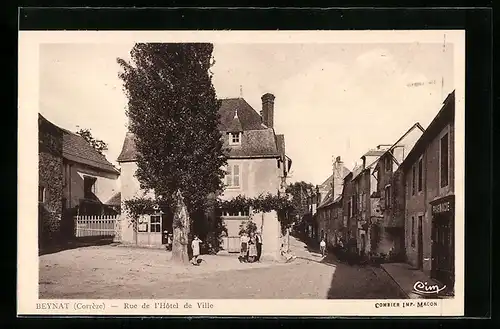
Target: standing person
195	245
244	247
259	245
252	248
322	247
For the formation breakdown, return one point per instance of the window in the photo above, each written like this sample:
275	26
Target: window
388	163
413	178
420	178
444	160
413	231
233	176
234	138
155	224
388	196
236	213
89	186
41	194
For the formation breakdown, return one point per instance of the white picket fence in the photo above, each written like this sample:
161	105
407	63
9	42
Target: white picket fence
95	225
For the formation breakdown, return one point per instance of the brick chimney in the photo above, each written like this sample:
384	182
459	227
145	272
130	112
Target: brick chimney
267	112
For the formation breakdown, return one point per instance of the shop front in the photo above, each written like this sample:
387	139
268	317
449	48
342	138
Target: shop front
153	230
443	240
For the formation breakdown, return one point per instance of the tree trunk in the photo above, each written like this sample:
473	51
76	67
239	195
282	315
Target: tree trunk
181	229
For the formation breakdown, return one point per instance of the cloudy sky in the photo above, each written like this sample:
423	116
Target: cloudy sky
331	99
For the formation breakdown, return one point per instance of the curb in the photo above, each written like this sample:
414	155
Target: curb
397	283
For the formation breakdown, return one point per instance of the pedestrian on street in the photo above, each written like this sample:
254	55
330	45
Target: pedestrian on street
195	245
252	248
259	245
244	248
322	247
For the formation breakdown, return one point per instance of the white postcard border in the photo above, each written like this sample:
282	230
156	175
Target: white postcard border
27	277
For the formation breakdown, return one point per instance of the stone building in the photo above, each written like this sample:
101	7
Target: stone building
429	197
257	165
74	178
50	178
389	220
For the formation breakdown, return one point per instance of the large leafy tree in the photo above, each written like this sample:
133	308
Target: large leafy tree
300	191
173	112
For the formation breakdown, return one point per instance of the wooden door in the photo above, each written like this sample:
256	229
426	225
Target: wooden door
420	244
443	249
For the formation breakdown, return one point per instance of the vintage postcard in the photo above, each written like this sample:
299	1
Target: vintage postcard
306	173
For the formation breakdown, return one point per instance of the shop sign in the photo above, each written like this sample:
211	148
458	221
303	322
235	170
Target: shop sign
442	206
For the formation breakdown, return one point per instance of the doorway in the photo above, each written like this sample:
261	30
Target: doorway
420	244
443	249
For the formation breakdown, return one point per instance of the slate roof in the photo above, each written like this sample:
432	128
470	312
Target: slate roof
76	149
249	118
128	152
254	143
280	143
115	200
257	140
375	152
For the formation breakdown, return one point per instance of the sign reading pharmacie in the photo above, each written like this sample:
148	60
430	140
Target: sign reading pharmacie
444	205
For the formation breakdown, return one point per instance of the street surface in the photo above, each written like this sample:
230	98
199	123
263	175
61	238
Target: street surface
117	272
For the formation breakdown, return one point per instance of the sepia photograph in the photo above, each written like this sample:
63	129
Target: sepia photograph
213	169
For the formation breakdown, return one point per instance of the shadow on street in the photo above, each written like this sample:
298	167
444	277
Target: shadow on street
354	281
75	243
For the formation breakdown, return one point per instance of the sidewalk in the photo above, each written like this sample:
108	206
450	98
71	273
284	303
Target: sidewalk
406	276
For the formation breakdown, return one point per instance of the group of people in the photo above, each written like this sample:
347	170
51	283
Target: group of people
251	247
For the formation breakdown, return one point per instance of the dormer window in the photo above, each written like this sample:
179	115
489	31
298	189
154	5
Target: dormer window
235	138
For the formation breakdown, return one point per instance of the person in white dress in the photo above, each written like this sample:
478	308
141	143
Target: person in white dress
195	245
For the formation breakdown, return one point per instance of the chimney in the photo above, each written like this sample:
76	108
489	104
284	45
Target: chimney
268	109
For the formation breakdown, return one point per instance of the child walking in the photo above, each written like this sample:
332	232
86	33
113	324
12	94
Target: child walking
322	247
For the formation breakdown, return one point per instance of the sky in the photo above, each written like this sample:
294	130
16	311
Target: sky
331	99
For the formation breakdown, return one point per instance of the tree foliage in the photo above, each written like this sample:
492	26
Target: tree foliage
99	145
300	191
174	116
173	113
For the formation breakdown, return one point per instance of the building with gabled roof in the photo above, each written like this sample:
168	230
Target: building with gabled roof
387	223
88	179
257	164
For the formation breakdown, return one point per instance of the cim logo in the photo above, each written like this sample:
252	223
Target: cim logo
423	288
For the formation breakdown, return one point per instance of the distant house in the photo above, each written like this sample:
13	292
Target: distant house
80	178
361	207
330	208
257	165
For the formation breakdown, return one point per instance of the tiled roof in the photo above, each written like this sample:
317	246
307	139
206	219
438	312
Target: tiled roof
128	152
115	200
76	149
235	125
257	140
280	143
375	152
249	118
254	143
